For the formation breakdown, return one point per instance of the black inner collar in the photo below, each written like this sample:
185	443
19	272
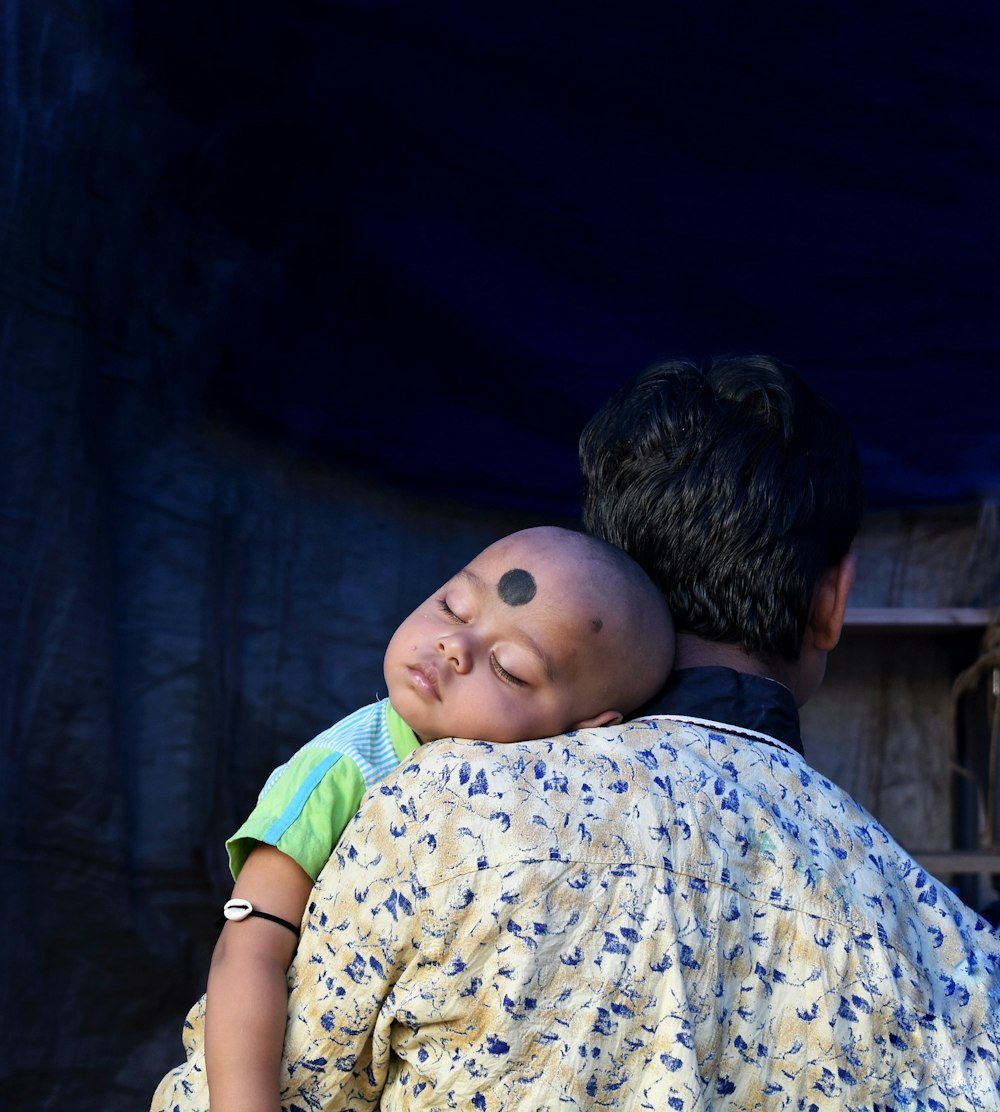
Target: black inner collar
725	696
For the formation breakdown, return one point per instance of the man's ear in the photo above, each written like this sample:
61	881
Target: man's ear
826	619
605	718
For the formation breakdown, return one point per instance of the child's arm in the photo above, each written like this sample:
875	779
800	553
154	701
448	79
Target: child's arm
247	1003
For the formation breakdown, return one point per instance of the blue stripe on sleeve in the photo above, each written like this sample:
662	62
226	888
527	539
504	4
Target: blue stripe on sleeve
298	801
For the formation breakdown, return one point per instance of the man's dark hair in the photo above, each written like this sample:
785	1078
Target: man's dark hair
734	485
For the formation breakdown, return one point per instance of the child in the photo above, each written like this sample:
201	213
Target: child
544	631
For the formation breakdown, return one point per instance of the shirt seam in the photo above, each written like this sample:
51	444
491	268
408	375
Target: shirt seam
672	870
725	728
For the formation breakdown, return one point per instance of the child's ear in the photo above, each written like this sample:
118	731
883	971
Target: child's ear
605	718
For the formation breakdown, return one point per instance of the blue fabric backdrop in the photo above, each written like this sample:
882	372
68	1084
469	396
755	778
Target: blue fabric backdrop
473	221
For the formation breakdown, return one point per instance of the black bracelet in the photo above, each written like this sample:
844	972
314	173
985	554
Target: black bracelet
237	910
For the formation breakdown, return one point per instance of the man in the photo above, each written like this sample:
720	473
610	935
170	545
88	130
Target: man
677	913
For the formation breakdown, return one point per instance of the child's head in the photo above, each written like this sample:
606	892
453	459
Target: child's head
544	631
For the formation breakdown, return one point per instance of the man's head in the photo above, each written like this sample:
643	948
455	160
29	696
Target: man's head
735	486
544	631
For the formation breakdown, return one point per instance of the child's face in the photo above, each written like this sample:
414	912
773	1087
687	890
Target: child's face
505	651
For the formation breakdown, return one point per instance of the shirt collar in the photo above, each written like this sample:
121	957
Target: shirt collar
723	695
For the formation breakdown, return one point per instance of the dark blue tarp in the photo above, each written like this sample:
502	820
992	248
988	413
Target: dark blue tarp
465	225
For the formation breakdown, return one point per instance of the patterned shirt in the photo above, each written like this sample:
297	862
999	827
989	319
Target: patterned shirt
663	915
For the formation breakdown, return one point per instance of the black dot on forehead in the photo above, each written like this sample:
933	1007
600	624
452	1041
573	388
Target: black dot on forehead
516	587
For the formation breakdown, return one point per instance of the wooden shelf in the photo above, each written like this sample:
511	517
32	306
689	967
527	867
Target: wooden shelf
917	618
943	862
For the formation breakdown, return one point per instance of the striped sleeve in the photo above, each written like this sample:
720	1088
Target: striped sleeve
306	802
304	811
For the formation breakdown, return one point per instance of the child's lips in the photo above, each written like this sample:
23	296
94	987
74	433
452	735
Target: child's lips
425	679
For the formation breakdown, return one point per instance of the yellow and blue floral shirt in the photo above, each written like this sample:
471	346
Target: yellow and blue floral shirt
673	914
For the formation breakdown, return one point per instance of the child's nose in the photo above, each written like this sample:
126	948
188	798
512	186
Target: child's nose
456	650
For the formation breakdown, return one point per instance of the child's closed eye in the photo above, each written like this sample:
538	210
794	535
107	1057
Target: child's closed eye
448	612
503	674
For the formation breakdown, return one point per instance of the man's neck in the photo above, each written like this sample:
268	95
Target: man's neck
695	652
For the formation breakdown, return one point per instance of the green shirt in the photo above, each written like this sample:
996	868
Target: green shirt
308	801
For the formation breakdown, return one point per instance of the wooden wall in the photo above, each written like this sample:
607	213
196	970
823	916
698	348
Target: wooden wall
884	723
